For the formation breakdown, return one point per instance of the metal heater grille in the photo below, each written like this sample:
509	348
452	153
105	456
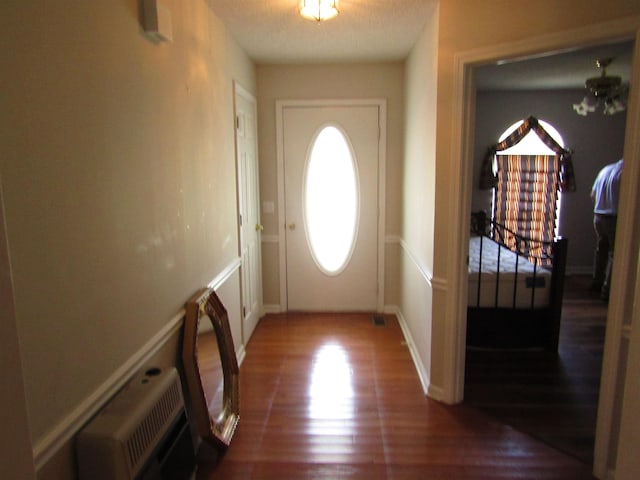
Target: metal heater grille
128	432
152	427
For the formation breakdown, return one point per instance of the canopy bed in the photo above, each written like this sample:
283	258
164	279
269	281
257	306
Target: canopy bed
516	262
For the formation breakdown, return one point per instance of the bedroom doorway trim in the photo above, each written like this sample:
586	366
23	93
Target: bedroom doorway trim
460	204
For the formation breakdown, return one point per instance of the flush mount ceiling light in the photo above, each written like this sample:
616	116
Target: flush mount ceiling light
319	10
606	90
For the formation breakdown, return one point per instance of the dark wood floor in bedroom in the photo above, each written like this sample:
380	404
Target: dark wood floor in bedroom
551	398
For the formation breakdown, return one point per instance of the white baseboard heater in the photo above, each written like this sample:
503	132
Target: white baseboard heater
142	433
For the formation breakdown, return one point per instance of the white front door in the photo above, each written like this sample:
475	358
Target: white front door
351	282
249	198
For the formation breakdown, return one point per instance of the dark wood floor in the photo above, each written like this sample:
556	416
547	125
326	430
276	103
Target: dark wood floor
334	396
552	398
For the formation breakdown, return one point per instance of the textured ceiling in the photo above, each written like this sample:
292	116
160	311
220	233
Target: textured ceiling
272	31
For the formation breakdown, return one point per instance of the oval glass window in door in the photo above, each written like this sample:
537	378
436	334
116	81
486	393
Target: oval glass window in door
331	204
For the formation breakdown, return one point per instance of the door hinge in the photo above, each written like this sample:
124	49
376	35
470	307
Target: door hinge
244	311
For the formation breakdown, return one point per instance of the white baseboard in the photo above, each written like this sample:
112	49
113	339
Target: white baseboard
417	362
437	393
272	309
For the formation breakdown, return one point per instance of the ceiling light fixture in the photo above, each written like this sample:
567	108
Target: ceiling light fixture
319	10
604	89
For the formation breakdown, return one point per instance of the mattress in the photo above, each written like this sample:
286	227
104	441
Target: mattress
506	281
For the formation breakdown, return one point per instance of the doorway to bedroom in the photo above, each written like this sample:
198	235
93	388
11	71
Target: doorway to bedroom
553	398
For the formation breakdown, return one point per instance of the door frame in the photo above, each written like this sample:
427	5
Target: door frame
463	127
240	91
281	105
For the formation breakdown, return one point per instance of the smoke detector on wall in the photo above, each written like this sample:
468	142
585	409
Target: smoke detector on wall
605	90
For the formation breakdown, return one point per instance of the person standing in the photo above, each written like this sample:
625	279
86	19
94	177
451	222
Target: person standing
604	194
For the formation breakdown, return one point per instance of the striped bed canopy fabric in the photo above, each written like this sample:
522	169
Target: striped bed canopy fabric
566	177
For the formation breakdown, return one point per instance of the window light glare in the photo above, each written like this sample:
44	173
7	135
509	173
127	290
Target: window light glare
319	10
331	201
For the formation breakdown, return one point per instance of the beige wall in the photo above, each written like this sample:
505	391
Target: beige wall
16	460
419	195
286	82
119	181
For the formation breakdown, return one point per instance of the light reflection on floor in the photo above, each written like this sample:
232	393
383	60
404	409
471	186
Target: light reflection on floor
331	400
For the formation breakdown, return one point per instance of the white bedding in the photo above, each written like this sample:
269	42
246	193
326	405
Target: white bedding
525	279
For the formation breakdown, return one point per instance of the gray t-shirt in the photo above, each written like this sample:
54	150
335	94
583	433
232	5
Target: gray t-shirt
605	189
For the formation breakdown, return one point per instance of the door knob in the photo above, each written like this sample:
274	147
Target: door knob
292	226
259	227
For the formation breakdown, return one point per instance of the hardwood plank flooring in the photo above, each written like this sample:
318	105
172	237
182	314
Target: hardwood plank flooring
329	396
552	398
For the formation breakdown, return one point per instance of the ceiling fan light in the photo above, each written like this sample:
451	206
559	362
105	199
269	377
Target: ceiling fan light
585	107
613	106
578	107
319	10
609	109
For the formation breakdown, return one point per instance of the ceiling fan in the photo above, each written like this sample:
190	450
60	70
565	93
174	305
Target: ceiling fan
604	89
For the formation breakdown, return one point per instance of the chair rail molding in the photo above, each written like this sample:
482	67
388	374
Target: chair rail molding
55	439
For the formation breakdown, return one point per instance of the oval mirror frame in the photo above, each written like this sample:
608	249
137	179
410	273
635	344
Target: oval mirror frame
215	428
